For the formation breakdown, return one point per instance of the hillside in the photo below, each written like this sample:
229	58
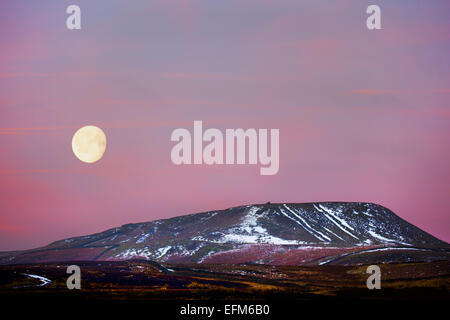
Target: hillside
278	234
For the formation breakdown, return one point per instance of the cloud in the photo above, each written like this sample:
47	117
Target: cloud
7	75
9	228
30	130
205	76
374	92
5	172
28	74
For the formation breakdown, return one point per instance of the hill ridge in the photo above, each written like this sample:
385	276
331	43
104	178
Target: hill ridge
270	233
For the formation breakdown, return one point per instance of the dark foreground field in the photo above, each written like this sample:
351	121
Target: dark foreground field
152	284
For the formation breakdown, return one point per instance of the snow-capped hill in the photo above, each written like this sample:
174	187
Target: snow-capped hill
314	233
339	224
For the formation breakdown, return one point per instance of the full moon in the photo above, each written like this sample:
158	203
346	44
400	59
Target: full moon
89	144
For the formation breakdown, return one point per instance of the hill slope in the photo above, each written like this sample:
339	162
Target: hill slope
283	234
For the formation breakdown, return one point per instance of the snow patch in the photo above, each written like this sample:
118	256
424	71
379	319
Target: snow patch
142	238
43	280
162	251
333	217
305	225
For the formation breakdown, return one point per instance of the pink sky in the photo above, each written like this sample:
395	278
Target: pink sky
363	115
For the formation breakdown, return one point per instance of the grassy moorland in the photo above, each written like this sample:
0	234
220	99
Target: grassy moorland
138	280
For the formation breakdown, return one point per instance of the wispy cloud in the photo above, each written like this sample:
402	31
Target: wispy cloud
28	130
11	228
205	76
19	171
374	92
109	125
30	74
7	75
